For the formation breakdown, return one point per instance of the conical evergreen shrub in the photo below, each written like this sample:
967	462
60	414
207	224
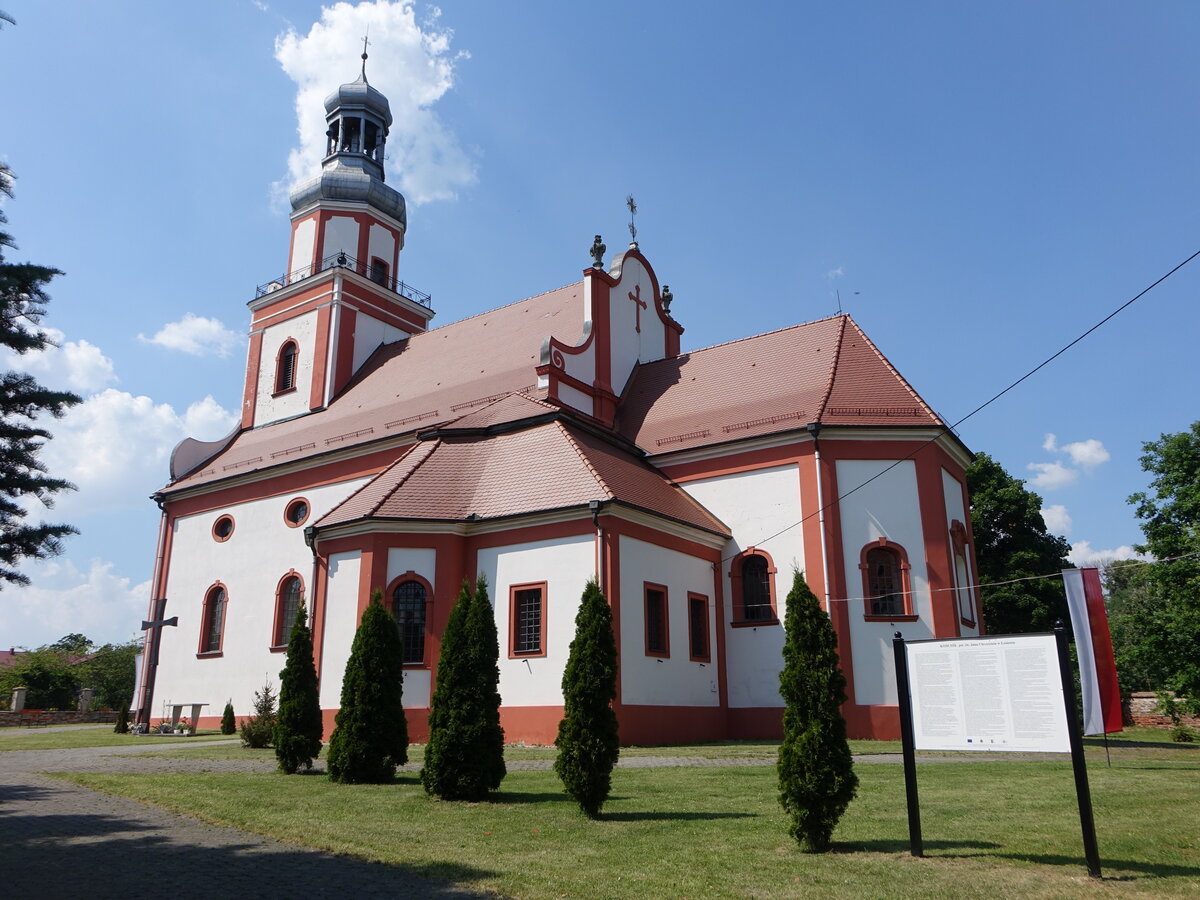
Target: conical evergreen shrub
816	775
122	726
370	736
258	729
298	726
464	759
228	721
587	742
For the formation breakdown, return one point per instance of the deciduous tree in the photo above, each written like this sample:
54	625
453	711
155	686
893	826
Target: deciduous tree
587	742
816	773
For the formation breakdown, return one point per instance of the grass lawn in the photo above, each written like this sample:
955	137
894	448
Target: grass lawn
86	736
992	828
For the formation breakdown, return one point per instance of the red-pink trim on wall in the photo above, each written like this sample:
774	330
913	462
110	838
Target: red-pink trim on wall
699	602
514	623
287	510
738	619
905	581
216	529
279	641
663	652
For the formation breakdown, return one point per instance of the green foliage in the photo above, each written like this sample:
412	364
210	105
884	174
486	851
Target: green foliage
370	737
23	300
110	672
587	742
228	720
1160	619
464	759
122	726
816	774
1011	541
258	729
50	675
298	728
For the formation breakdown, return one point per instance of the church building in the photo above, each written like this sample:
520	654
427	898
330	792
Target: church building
562	437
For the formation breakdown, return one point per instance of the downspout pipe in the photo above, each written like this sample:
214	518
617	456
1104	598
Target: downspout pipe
594	506
156	611
814	430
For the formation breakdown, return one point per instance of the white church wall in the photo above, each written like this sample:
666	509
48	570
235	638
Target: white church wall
637	332
577	399
654	680
369	333
250	564
341	236
341	621
756	505
887	507
270	408
564	564
303	237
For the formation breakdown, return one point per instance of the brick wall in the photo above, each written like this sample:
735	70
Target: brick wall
1143	710
27	717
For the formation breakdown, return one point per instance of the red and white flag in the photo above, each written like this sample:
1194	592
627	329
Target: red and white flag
1093	644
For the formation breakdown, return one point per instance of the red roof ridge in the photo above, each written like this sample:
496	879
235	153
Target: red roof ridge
833	367
753	337
908	387
375	479
488	312
584	458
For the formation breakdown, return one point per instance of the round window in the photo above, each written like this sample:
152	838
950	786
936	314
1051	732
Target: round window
296	512
223	528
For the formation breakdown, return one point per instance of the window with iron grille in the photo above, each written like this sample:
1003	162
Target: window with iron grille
288	605
657	641
698	627
214	620
884	584
756	589
528	620
408	606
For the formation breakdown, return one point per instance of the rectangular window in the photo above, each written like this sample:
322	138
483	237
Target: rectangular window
698	628
657	634
527	619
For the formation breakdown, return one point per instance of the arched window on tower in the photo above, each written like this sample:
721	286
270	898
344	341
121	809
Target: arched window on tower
285	367
886	587
409	606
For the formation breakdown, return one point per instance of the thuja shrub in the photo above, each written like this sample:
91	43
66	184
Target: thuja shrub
298	727
587	742
122	726
228	721
370	736
257	730
464	758
816	775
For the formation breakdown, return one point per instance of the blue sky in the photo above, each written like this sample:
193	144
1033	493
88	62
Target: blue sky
981	182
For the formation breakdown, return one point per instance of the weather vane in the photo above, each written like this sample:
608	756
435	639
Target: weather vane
364	53
632	204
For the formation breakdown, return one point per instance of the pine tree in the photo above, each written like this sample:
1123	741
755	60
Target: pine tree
228	721
370	736
258	729
465	755
122	726
298	727
816	774
23	300
587	742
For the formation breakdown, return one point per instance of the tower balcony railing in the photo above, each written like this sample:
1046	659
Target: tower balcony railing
372	271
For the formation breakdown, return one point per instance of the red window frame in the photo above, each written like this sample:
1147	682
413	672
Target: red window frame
391	601
279	640
958	550
515	623
216	528
659	604
206	612
737	589
698	625
904	588
284	385
291	505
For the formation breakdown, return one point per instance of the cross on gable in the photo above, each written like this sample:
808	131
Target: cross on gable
636	296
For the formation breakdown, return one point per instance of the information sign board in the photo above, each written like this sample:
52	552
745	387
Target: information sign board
993	693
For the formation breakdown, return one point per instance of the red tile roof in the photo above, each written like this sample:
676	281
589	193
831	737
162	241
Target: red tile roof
433	377
825	371
545	467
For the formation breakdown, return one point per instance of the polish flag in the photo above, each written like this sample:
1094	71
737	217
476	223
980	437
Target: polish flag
1093	645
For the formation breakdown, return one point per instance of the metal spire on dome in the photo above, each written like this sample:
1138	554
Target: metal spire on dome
364	54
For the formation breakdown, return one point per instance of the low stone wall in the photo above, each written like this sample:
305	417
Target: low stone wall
1143	710
28	717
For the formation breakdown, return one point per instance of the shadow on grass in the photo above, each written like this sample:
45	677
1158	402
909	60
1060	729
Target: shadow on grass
1145	869
671	816
501	797
902	846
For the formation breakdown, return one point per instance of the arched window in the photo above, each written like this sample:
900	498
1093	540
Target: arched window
886	588
213	619
287	605
409	603
285	367
962	573
752	577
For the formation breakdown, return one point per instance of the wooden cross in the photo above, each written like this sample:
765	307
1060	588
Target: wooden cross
636	296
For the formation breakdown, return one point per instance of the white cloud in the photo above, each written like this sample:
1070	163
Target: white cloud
1089	453
196	336
1058	520
69	365
1052	475
1083	554
410	62
834	274
115	447
1050	443
97	602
